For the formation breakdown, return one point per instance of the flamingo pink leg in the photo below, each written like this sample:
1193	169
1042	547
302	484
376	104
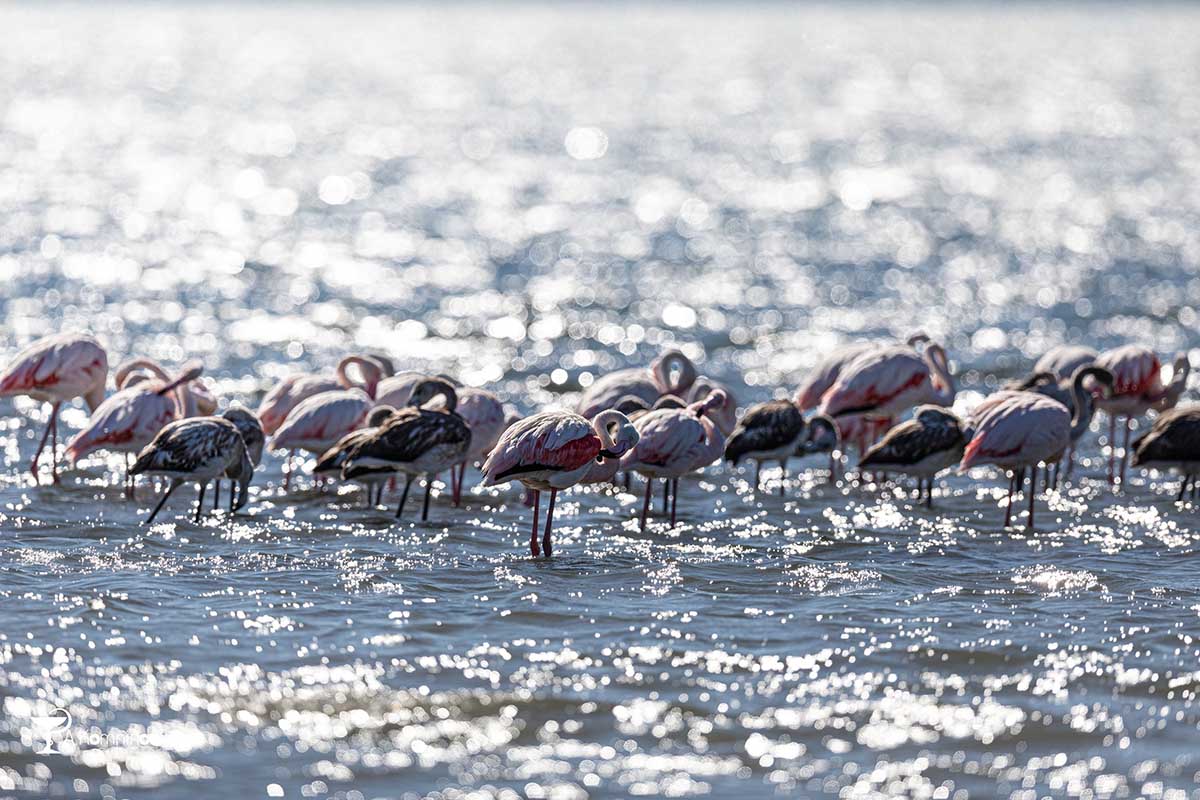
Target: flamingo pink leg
33	465
533	540
1125	450
54	443
1012	478
1112	446
674	499
1032	492
549	523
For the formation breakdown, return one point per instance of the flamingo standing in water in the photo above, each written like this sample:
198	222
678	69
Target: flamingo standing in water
1020	430
414	440
317	423
1173	442
724	417
673	442
773	431
932	441
1138	388
554	450
199	449
334	459
56	370
1064	392
130	419
250	428
885	382
671	373
484	414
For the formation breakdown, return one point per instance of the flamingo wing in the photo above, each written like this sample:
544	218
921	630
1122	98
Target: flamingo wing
553	440
665	437
1136	369
826	373
873	380
130	418
1024	429
325	417
608	389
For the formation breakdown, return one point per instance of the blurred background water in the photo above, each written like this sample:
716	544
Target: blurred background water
527	197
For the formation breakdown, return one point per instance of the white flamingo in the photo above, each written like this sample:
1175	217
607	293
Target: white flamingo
56	370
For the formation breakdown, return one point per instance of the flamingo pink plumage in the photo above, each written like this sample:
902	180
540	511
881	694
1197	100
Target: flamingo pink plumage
671	373
1138	388
130	419
295	389
673	442
1064	359
318	422
554	450
485	416
196	398
56	370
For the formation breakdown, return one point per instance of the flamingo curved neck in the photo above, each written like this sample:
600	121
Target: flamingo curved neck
944	390
368	369
602	423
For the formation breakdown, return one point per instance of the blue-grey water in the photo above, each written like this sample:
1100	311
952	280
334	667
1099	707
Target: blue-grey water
525	198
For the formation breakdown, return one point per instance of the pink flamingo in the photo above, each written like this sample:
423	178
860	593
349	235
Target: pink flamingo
671	373
317	423
130	419
295	389
1063	360
198	400
396	390
1138	388
673	442
885	382
1020	430
554	450
485	416
56	370
724	417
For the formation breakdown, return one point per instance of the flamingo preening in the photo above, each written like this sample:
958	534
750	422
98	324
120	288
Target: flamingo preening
1137	388
554	450
250	428
196	398
130	419
773	431
1019	430
56	370
1173	442
318	422
671	373
200	449
930	442
414	440
673	442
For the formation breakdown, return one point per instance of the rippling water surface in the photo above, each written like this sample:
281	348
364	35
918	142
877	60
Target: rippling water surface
526	199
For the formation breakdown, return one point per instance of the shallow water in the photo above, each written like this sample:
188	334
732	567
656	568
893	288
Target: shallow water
526	199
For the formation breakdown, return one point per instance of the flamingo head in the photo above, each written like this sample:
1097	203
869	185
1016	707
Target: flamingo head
821	435
616	432
674	373
431	388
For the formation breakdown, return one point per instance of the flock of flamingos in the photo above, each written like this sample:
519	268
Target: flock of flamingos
365	424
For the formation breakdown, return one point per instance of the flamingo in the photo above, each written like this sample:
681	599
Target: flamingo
671	373
673	442
199	449
554	450
130	419
930	442
724	417
295	389
1020	430
1062	361
1138	388
253	437
56	370
771	431
333	459
396	390
318	422
1063	391
415	441
484	414
197	399
1173	442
